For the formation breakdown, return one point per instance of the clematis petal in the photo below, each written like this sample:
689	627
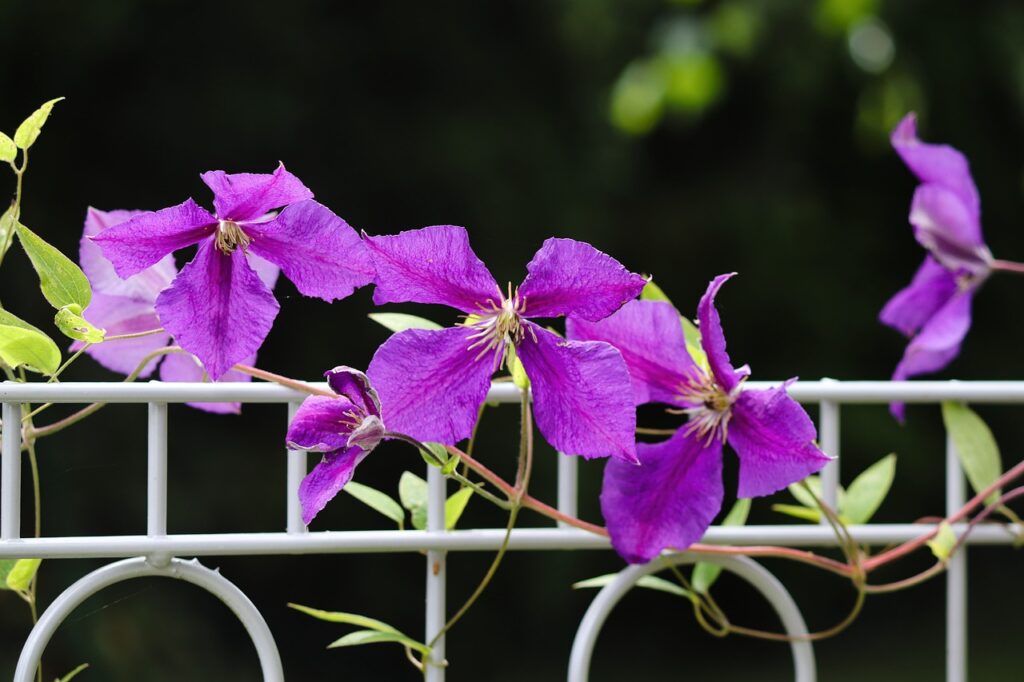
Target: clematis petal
943	225
316	249
937	164
713	338
355	386
650	337
431	265
120	315
321	424
567	277
430	386
582	395
248	196
143	240
267	271
218	309
186	367
667	501
143	286
774	439
327	479
912	306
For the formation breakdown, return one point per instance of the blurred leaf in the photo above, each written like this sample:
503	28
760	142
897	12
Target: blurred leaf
63	283
704	573
735	28
519	377
650	582
71	323
22	345
20	576
638	98
30	128
867	492
943	542
73	673
455	505
7	226
347	618
360	637
8	150
797	511
694	81
376	500
399	322
412	491
836	17
5	569
802	496
975	446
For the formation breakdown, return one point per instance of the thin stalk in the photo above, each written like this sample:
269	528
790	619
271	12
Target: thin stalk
1007	266
655	432
67	363
19	174
284	381
33	587
136	335
858	605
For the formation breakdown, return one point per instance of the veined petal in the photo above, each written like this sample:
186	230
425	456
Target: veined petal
321	424
248	196
121	315
582	395
326	479
650	337
567	277
143	286
218	309
431	265
712	338
944	226
267	271
317	250
669	500
355	386
774	439
937	164
143	240
932	287
186	367
429	383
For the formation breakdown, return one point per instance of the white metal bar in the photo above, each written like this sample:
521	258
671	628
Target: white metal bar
298	467
828	433
10	483
436	608
956	576
156	495
568	484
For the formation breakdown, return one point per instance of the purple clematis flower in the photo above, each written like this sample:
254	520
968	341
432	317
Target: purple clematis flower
675	493
127	306
345	429
934	311
217	307
433	382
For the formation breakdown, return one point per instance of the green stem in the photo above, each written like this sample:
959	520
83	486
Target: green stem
68	362
136	335
19	173
33	588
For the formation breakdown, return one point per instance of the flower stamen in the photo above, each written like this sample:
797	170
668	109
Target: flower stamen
497	326
230	236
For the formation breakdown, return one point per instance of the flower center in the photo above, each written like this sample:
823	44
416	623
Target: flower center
710	407
498	325
230	236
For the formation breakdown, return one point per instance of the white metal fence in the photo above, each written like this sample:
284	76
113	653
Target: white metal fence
155	554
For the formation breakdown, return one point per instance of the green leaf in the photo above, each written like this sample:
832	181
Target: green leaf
943	542
704	573
7	225
412	491
450	465
360	637
975	446
5	569
439	451
455	505
8	150
63	283
70	322
652	292
22	345
399	322
73	673
30	128
867	492
519	377
347	618
802	496
376	500
796	511
650	582
21	575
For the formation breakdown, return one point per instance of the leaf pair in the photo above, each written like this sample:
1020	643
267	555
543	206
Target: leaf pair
27	133
855	505
373	632
412	491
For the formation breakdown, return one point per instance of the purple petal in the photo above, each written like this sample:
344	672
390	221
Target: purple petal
317	250
326	479
120	315
321	424
267	271
142	241
248	196
667	501
430	386
143	286
774	439
355	386
186	367
912	306
712	338
650	337
943	225
431	265
937	164
567	277
218	309
582	395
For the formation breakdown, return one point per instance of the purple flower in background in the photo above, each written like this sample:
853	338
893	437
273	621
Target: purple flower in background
675	493
127	306
934	311
433	382
217	307
345	429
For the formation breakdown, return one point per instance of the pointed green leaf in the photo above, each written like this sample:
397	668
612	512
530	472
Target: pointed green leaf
63	283
450	465
802	496
73	673
704	573
652	292
5	569
797	511
650	582
943	542
70	322
412	491
519	377
7	225
347	618
399	322
21	575
22	345
376	500
975	446
455	505
30	128
360	637
867	492
439	451
8	150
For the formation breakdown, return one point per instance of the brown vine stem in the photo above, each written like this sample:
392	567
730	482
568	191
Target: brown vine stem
284	381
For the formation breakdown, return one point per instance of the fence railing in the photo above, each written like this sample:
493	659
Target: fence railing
155	554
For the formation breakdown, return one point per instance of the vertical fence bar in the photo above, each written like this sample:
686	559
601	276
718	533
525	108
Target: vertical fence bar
156	496
568	466
298	467
10	483
828	432
436	609
956	576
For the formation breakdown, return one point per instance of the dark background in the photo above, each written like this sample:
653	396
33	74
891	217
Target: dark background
687	139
